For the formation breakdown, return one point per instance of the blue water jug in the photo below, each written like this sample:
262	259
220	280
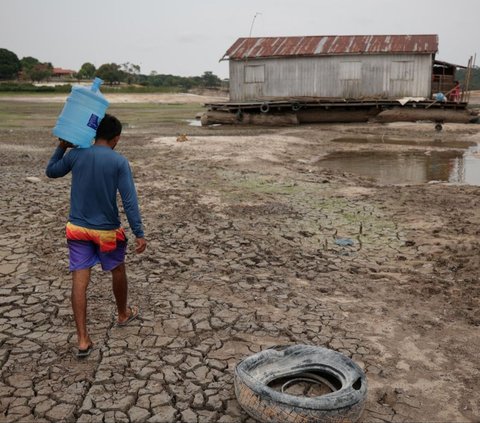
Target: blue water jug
81	115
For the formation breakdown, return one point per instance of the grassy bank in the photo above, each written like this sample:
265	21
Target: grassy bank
139	115
17	87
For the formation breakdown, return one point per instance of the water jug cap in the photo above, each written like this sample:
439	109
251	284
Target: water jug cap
96	84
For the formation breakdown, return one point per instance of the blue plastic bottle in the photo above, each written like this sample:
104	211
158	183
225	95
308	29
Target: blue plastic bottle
81	115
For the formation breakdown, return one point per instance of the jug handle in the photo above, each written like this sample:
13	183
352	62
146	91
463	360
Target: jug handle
96	84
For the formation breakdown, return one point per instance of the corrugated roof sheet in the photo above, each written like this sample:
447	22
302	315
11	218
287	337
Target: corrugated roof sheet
251	48
63	71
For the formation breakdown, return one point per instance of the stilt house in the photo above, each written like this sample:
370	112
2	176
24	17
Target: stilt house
347	67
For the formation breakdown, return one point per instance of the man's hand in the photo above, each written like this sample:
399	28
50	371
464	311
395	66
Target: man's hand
140	245
65	144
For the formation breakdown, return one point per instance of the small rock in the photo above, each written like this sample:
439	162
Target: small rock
163	414
6	269
61	412
20	382
214	402
197	400
33	179
138	414
160	399
188	416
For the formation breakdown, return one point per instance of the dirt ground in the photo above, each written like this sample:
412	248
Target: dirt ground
243	227
183	98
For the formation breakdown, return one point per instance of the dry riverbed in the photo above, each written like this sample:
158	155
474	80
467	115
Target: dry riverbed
243	226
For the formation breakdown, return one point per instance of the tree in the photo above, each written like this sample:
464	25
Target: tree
28	63
34	70
87	71
110	72
40	72
131	72
9	64
209	79
474	81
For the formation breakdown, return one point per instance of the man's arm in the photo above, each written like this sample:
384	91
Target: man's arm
59	165
128	193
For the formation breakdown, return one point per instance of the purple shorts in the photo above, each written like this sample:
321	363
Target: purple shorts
86	254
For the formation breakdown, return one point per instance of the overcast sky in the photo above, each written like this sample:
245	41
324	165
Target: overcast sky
188	37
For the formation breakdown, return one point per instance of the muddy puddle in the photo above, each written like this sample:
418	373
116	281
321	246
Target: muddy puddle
193	122
410	167
394	141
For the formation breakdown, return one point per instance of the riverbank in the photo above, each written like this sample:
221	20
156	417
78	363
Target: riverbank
244	227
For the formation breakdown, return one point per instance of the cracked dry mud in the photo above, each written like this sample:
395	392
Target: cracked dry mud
241	225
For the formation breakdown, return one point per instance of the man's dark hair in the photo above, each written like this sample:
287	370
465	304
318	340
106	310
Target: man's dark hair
109	128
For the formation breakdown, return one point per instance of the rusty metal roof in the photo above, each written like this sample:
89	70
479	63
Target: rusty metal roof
254	48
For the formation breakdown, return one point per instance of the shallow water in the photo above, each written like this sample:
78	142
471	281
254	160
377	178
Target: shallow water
412	167
394	141
193	122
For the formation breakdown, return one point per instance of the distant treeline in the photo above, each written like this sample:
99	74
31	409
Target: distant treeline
474	78
67	87
20	74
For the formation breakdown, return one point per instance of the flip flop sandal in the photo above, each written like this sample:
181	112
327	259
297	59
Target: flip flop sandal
134	313
86	352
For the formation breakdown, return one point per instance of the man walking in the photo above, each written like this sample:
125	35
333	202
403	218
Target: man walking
94	234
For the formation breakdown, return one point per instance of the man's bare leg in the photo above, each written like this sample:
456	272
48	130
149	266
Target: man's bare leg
120	291
80	280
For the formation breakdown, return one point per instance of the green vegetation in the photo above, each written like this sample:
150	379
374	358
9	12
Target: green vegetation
21	87
257	184
28	115
33	70
147	115
19	114
322	216
474	78
9	64
17	73
30	88
87	71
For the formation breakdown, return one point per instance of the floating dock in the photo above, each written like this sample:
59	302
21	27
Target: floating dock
288	111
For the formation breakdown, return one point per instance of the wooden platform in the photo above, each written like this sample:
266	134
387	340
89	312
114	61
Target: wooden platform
296	104
291	111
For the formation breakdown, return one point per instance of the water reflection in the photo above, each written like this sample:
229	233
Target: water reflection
411	167
396	141
466	169
193	122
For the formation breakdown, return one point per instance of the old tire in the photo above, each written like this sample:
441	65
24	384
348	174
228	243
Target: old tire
267	405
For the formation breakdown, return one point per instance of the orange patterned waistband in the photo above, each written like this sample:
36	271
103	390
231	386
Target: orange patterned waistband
105	239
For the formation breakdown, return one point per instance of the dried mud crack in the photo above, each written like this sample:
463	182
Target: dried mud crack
250	245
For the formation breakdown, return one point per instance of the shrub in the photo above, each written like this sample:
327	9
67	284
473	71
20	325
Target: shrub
30	88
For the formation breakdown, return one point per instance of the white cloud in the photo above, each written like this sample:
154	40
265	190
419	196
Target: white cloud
187	37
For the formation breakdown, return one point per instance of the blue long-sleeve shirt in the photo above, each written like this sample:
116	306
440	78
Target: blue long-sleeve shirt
98	173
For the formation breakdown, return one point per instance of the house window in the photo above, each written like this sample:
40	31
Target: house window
350	74
254	74
350	70
402	71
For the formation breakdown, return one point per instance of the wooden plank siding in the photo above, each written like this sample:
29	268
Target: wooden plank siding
385	76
